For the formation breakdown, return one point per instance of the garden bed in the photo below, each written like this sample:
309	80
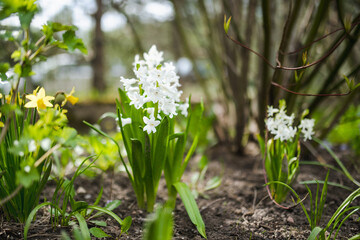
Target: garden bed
238	209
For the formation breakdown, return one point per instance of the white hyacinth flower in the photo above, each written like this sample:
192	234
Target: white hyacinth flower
150	124
307	126
125	121
271	110
184	108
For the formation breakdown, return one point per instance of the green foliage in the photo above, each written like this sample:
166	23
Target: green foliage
65	209
25	157
342	214
317	204
29	137
191	207
281	164
338	161
150	154
281	152
198	184
226	24
159	225
348	130
96	144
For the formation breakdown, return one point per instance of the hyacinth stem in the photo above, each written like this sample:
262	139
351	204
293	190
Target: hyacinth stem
172	196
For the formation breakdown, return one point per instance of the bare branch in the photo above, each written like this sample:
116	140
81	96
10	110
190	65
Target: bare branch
309	94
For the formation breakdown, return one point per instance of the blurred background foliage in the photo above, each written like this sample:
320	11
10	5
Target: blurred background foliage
234	83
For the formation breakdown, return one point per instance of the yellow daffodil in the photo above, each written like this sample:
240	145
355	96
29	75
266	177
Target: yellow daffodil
69	97
8	98
1	96
39	100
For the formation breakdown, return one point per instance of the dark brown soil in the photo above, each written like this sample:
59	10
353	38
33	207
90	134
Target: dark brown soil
238	209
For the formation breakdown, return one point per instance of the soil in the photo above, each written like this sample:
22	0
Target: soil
238	209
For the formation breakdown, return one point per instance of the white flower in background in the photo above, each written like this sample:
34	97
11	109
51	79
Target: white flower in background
156	83
280	124
125	121
307	126
45	144
27	168
78	150
32	146
5	87
150	124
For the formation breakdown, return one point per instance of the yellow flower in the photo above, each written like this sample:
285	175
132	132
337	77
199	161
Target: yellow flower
8	99
1	123
39	100
1	96
69	97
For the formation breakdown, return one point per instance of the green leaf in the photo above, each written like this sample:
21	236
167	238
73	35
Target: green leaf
110	213
98	233
4	67
83	226
213	183
77	235
314	233
304	58
350	83
160	225
27	10
126	224
261	145
99	223
226	24
64	236
191	207
356	86
160	149
138	166
17	69
58	27
26	179
355	237
150	187
113	204
16	55
32	215
80	205
204	161
72	42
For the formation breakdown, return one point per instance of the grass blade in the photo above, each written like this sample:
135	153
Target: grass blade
314	233
32	215
191	207
85	233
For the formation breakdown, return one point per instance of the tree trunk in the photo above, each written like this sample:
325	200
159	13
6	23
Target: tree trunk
97	63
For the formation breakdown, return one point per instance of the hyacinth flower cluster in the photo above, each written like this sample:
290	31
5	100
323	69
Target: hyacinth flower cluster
282	150
147	110
280	125
155	89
